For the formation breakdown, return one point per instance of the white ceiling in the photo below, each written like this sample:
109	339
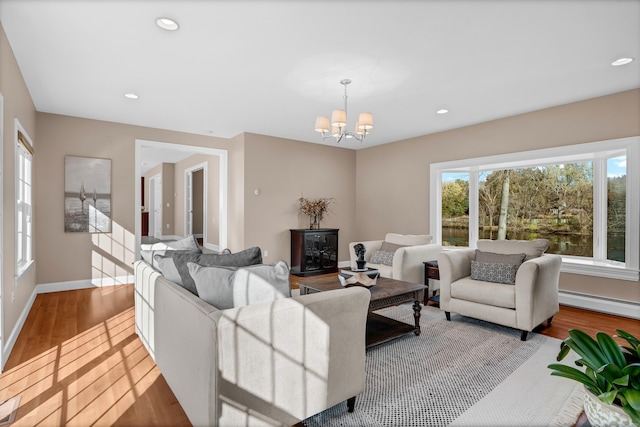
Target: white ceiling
271	67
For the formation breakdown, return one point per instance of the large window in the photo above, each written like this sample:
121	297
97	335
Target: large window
582	198
24	206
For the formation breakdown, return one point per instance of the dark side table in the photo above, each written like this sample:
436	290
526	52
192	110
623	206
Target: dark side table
431	271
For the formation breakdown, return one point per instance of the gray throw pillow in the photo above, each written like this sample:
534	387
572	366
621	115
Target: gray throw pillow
382	257
492	257
188	243
390	247
173	266
149	251
496	272
243	258
228	287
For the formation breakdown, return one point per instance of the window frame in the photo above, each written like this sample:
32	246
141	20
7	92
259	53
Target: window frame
23	149
595	152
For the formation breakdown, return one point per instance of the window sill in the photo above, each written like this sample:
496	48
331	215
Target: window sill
589	267
21	270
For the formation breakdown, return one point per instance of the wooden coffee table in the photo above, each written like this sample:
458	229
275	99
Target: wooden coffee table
386	293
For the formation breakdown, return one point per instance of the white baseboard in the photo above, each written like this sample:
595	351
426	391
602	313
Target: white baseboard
343	264
55	287
11	340
601	304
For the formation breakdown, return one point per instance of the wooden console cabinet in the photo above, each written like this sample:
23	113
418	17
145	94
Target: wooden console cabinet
314	251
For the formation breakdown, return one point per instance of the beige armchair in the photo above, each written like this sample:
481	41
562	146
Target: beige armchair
531	300
410	251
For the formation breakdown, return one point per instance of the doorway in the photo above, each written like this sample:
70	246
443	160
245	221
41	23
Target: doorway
221	180
196	202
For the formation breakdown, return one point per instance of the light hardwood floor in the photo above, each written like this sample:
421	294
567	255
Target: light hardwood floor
79	362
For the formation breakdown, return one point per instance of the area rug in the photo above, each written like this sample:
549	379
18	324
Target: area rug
462	372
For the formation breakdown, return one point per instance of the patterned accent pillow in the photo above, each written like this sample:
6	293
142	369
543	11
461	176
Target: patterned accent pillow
382	257
496	272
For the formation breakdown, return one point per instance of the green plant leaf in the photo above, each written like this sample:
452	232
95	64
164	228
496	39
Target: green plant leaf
608	397
610	349
632	397
564	350
633	341
613	374
587	348
565	371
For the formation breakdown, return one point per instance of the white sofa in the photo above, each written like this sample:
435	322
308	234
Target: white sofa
408	261
271	363
531	300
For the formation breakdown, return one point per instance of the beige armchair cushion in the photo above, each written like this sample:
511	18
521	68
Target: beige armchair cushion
532	248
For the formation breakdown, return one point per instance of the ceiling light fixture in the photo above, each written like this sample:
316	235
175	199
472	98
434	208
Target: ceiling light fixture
339	122
621	61
167	24
131	96
442	111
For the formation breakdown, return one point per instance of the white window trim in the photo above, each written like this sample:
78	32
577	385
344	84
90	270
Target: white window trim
594	152
23	267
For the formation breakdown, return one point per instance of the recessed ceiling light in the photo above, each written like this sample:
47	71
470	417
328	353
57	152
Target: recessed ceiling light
621	61
442	111
131	96
167	24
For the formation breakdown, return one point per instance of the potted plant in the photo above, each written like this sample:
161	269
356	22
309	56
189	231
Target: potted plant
610	374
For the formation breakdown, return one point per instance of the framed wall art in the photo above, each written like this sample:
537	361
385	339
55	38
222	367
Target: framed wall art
87	195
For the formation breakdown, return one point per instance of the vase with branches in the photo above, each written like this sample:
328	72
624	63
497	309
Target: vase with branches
315	209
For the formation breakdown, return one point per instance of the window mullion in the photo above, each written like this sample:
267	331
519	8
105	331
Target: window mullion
599	209
474	210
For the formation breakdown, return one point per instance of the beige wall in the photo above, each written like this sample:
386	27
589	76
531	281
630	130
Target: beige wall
284	170
86	256
17	104
400	171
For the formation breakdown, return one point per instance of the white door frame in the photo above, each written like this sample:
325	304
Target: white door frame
222	183
188	199
155	203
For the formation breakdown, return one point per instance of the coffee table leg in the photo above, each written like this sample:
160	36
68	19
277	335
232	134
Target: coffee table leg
416	316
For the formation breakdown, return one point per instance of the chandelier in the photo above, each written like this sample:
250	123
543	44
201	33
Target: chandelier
339	122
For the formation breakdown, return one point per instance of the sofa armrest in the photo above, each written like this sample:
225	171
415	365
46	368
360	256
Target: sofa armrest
408	262
371	245
294	357
453	265
537	290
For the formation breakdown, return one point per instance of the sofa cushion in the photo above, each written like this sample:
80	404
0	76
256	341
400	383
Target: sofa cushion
408	239
516	259
148	251
228	287
390	247
382	257
532	248
486	293
250	256
168	268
